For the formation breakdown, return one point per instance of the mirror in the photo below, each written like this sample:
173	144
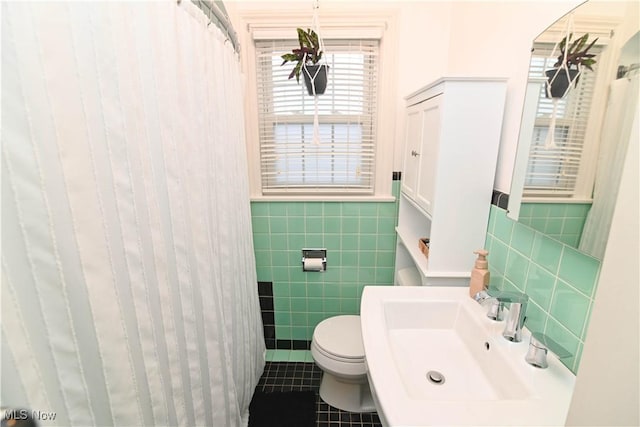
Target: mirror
565	181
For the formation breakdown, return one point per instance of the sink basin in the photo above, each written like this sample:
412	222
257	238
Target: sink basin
443	337
434	358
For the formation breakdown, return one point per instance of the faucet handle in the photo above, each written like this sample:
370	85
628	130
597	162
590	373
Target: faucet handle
539	345
496	310
497	300
511	296
482	296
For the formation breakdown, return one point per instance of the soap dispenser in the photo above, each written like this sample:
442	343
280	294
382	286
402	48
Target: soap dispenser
480	273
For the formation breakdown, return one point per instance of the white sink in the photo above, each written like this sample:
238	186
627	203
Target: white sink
411	333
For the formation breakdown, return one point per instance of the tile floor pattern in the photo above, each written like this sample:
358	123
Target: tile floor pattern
302	376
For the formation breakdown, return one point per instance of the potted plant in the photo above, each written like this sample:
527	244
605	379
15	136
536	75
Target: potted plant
307	57
573	56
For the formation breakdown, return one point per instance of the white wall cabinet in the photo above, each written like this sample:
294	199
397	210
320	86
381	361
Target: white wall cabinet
423	124
452	136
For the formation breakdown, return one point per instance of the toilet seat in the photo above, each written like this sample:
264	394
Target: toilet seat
340	338
335	357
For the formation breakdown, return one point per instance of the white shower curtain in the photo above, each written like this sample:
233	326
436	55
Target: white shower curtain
129	292
622	108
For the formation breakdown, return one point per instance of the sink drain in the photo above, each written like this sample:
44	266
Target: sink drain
435	377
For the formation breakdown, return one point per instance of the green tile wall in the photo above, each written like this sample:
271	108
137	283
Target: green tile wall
562	221
559	280
360	241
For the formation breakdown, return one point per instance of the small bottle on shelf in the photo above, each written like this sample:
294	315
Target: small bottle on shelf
480	273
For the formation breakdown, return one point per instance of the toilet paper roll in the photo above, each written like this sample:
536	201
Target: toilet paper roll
313	264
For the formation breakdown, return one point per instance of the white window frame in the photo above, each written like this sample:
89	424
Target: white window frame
336	26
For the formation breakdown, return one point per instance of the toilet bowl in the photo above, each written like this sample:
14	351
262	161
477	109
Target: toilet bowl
337	349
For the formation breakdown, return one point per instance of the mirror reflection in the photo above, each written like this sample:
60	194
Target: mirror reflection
572	145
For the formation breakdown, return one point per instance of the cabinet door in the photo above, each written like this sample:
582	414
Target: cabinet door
413	140
428	154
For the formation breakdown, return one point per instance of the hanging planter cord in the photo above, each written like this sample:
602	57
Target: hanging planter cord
550	142
315	23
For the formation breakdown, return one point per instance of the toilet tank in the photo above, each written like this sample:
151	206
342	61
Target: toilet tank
408	276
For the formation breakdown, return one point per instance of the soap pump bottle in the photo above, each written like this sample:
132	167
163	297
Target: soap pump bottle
480	273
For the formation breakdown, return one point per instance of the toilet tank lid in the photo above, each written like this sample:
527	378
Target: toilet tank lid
340	335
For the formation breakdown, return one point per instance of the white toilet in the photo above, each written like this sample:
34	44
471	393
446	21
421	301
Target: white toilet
337	349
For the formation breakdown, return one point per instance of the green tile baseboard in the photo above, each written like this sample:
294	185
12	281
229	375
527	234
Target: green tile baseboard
288	356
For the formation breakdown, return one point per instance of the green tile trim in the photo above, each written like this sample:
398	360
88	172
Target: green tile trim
278	355
298	355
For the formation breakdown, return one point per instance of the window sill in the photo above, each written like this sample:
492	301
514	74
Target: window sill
322	198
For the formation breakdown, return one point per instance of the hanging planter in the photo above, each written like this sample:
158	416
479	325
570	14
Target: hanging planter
565	74
559	81
307	58
569	65
315	78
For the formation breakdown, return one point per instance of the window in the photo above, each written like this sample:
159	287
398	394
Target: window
555	171
343	159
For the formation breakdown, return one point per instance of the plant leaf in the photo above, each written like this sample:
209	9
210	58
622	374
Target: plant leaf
313	38
573	46
581	42
301	37
296	71
289	57
591	45
308	52
576	53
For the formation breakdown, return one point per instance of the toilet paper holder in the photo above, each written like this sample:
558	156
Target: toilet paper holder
314	259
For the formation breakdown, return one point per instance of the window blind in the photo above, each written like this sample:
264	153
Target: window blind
553	172
343	160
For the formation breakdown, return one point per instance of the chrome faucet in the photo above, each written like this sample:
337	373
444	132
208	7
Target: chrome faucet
539	345
517	310
517	315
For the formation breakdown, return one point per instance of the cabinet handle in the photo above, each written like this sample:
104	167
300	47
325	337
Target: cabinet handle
414	153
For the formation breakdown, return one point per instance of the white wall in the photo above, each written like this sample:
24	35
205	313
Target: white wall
607	387
495	39
423	55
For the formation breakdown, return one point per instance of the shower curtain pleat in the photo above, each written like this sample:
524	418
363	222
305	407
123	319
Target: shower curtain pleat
622	108
129	292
